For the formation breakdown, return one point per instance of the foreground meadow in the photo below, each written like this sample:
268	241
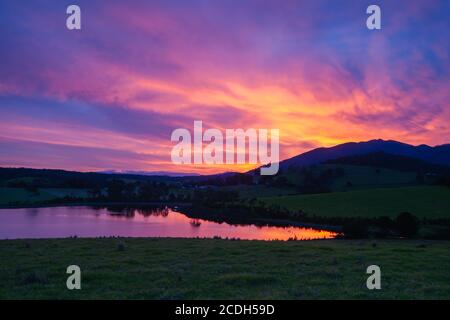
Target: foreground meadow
145	268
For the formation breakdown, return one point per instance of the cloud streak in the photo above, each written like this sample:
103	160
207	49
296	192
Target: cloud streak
136	72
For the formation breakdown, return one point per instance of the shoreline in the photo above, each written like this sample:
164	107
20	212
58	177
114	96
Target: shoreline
221	218
91	204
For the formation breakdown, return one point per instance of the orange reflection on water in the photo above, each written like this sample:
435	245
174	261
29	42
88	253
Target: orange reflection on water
177	224
296	233
59	222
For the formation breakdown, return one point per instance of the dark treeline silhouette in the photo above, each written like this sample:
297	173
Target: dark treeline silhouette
50	178
231	179
121	191
310	179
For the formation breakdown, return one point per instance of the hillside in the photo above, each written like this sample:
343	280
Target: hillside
436	155
391	161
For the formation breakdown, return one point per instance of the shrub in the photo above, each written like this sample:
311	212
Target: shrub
355	229
407	224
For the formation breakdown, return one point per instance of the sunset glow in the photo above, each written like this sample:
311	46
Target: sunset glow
107	97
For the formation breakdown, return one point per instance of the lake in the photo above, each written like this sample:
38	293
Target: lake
62	222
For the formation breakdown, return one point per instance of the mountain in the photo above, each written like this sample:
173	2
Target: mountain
439	155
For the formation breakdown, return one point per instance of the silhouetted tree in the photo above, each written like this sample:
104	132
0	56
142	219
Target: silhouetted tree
95	192
407	224
115	189
356	229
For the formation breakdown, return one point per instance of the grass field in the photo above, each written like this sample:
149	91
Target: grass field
220	269
357	177
422	201
362	177
12	195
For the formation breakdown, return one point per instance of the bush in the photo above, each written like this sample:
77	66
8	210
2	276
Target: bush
355	229
407	224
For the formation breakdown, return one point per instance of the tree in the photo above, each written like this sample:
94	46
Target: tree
115	189
407	224
95	192
356	229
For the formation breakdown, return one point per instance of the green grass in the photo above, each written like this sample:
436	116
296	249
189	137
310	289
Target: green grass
14	195
221	269
422	201
362	177
359	177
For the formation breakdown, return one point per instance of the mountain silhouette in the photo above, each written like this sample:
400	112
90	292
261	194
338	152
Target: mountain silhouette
439	155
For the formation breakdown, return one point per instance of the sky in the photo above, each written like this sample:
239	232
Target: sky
108	96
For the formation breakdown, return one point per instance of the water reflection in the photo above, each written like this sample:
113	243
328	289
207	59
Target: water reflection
32	212
128	221
195	223
131	212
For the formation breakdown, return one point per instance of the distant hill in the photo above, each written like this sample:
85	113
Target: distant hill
439	155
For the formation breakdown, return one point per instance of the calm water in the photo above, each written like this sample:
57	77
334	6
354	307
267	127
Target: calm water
60	222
